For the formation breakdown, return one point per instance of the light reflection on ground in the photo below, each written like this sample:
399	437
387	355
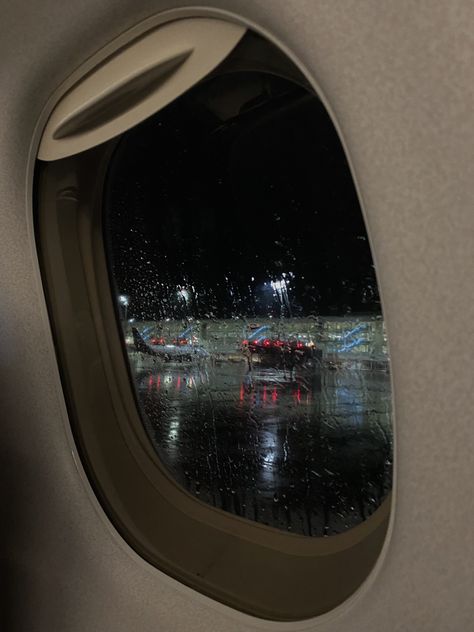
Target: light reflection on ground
309	451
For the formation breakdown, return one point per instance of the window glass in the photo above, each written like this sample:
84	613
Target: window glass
249	305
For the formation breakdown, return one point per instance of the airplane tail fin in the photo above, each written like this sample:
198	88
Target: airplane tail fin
140	344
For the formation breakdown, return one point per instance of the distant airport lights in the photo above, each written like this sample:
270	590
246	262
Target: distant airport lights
183	294
123	300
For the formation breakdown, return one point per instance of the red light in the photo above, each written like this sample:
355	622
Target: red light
266	342
180	341
158	382
299	345
241	392
178	383
274	394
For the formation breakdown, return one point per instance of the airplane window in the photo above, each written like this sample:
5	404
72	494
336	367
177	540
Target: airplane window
249	305
217	319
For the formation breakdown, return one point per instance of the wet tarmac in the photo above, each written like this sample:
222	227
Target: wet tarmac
308	451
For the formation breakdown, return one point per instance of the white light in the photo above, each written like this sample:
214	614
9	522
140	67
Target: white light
123	300
279	285
184	294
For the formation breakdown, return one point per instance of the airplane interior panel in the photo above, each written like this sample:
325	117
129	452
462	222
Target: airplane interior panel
235	316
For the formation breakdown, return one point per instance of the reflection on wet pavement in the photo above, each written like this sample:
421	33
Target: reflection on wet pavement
307	450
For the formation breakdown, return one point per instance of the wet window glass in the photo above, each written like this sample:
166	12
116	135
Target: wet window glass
249	305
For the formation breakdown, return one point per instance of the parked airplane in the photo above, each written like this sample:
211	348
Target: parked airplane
181	351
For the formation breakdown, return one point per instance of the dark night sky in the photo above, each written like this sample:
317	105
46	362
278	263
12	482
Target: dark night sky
206	201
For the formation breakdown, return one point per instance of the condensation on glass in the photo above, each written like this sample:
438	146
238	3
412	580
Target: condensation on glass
249	305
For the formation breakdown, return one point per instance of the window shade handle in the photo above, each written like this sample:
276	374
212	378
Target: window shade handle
135	82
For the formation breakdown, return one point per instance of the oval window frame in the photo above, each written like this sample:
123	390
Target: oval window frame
101	399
